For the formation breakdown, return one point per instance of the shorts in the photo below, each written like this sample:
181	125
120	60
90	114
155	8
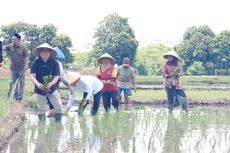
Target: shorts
127	91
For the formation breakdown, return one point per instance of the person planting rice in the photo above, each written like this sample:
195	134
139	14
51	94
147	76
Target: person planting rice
89	85
44	75
172	80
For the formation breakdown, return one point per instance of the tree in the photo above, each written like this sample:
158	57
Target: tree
149	59
223	45
48	32
116	37
63	42
198	45
33	36
196	69
29	32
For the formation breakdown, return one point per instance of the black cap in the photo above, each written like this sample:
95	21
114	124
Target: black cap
17	35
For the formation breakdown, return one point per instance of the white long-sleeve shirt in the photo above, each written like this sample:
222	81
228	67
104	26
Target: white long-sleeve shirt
88	84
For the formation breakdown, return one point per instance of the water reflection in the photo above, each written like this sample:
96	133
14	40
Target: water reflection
174	133
48	139
132	130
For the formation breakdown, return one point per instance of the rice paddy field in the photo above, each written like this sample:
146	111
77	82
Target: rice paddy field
143	126
133	129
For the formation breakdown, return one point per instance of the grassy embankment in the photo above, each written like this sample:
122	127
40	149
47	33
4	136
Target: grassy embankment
189	83
196	88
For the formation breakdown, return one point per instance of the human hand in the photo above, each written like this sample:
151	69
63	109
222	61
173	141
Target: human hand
134	88
72	84
66	111
84	103
48	86
25	68
108	82
41	86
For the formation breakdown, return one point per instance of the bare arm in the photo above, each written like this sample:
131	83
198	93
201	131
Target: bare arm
35	81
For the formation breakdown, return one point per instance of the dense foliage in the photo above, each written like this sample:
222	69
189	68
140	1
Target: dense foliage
205	53
115	36
33	35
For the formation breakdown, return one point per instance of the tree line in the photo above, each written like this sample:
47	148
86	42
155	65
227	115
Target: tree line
33	36
202	51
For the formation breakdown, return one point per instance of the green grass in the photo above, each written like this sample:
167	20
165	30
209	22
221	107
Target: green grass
5	102
191	81
191	94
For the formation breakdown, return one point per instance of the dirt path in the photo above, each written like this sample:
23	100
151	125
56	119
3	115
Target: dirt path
12	120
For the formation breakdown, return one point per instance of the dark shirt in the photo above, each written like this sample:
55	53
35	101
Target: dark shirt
41	69
18	54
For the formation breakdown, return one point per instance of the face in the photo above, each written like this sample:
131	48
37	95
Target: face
170	58
105	61
126	63
45	54
15	40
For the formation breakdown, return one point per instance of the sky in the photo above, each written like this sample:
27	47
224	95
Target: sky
153	21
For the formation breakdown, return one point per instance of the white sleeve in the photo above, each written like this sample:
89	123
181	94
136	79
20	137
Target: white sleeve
62	73
71	100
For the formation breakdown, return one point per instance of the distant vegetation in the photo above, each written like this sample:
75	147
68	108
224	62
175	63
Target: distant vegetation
202	51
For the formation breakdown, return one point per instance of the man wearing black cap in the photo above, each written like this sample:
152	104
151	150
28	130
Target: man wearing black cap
19	59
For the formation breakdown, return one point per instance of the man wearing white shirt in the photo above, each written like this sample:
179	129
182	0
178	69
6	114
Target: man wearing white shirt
89	85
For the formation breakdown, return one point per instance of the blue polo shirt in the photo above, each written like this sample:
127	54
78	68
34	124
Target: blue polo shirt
41	69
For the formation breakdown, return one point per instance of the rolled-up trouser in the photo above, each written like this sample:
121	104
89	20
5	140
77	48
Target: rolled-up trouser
176	97
55	100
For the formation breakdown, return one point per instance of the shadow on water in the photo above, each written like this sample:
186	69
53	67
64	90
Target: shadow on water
133	129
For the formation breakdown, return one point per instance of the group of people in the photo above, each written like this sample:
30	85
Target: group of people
109	82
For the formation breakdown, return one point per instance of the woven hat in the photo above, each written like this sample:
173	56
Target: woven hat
37	50
171	53
72	76
104	56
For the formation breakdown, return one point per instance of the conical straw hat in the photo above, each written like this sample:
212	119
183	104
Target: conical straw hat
171	53
72	76
37	50
106	55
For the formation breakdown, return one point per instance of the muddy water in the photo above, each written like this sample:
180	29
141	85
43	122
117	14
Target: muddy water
136	129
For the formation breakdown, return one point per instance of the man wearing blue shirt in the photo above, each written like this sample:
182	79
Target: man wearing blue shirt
45	74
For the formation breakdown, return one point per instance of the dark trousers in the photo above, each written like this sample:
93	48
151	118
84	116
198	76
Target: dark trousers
107	96
176	97
96	101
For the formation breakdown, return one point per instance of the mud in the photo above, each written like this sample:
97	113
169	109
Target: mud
10	123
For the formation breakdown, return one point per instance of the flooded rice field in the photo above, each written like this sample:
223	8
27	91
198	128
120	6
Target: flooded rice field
134	129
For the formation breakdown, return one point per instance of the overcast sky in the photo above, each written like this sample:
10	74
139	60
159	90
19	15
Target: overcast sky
152	20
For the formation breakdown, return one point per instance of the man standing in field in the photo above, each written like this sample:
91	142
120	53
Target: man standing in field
126	79
19	59
44	75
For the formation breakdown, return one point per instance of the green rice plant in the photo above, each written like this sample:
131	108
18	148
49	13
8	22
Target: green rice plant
47	79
